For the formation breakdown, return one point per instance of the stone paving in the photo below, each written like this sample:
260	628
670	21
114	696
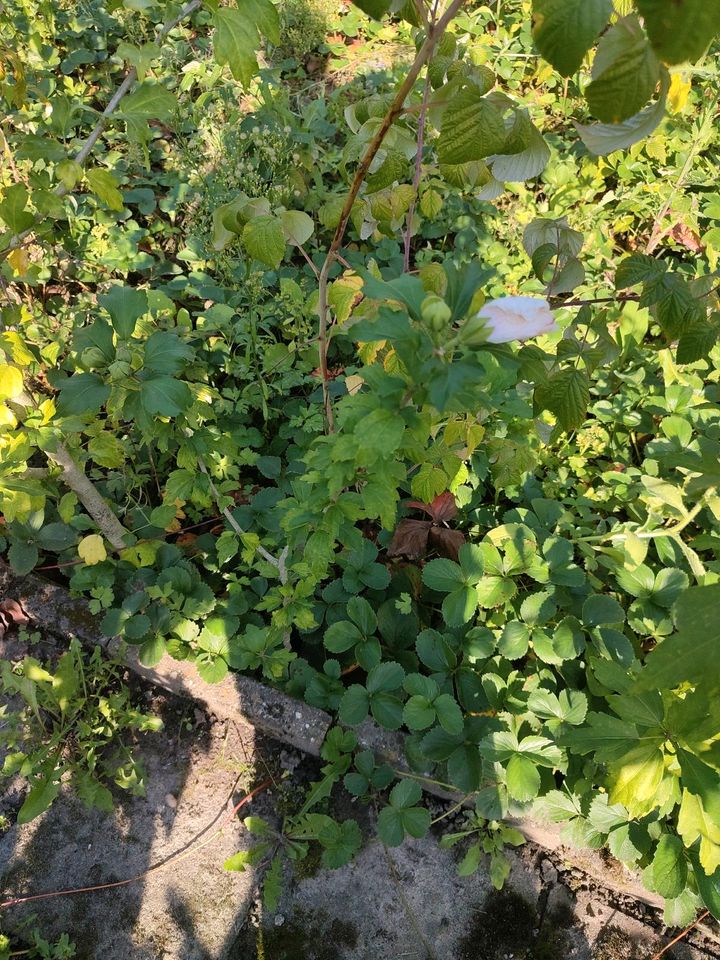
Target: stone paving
386	905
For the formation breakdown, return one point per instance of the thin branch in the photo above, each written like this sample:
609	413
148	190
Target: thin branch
85	150
681	936
278	562
423	55
619	298
94	503
309	262
418	171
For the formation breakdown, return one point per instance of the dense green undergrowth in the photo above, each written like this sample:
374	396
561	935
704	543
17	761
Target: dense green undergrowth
381	477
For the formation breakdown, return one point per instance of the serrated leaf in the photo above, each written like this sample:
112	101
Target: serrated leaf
264	239
564	30
472	128
625	73
125	305
297	226
605	138
149	101
681	30
82	393
104	185
669	866
12	208
164	396
566	394
235	42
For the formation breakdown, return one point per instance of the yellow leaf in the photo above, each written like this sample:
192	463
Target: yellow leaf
92	549
19	261
679	91
11	382
7	419
637	777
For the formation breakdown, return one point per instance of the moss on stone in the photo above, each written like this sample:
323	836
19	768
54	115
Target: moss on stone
306	936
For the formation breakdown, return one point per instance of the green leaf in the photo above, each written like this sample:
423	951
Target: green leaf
166	353
12	208
416	821
625	73
701	780
604	138
525	164
566	394
354	705
709	886
125	305
297	226
23	557
449	714
38	800
374	8
418	713
443	575
363	615
670	584
564	30
212	669
149	101
514	641
165	397
82	393
635	777
523	778
406	793
472	128
385	677
698	340
669	866
681	30
638	268
340	842
104	185
390	826
599	609
493	591
264	239
684	657
387	709
341	636
459	606
236	40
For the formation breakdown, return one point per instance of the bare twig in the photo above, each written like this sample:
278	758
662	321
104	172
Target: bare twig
423	55
680	936
85	150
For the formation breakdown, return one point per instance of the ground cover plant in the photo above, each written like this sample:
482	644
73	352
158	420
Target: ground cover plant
383	366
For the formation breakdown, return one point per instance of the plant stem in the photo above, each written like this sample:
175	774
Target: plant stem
423	55
94	503
673	531
700	142
278	562
418	172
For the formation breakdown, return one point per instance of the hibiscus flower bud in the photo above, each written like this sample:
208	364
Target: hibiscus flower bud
436	312
509	318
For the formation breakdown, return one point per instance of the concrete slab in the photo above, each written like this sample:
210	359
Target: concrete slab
188	911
